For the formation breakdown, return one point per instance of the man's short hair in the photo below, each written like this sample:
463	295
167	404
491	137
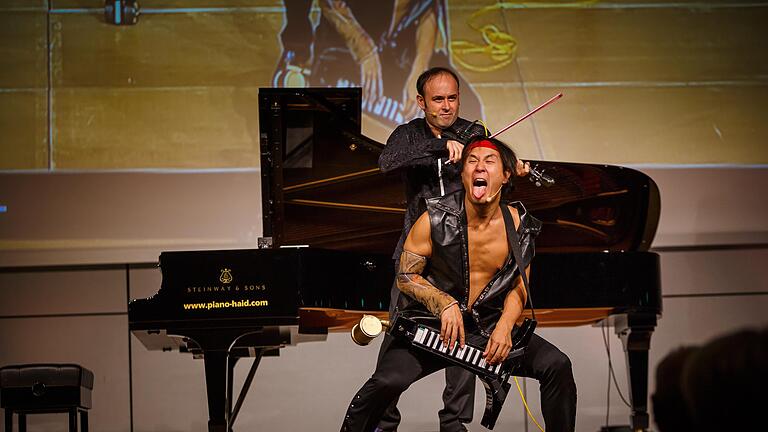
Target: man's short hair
724	380
508	156
431	73
668	401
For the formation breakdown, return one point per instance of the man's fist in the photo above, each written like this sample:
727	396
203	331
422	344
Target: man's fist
454	150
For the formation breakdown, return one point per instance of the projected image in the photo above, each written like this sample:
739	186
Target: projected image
380	46
643	82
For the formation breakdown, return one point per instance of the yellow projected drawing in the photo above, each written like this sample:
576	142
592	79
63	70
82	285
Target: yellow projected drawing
497	44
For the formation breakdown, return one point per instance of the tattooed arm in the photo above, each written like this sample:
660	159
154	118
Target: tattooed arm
413	260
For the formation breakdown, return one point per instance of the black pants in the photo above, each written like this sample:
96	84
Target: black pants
400	365
458	395
458	400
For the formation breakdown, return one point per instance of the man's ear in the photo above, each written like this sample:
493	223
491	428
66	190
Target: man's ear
420	101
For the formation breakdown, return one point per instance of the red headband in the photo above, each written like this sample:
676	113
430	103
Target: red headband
483	143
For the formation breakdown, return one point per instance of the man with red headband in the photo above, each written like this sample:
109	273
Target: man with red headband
457	264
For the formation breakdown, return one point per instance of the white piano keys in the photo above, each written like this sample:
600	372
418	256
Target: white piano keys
468	354
462	351
421	333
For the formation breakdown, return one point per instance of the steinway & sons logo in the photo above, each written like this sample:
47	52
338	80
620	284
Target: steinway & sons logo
226	276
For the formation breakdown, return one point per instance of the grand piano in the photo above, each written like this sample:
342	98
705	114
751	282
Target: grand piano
327	207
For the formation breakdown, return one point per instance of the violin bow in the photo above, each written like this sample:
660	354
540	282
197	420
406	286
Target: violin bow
552	99
538	177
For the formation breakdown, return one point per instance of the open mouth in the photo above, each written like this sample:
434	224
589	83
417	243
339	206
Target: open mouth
479	186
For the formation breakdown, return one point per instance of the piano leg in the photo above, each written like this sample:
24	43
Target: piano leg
635	331
216	387
246	386
231	362
220	360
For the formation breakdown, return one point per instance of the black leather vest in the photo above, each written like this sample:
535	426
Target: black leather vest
448	267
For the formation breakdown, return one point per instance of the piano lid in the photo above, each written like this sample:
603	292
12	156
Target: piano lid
321	185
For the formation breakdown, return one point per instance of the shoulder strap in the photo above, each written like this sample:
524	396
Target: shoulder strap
514	244
520	341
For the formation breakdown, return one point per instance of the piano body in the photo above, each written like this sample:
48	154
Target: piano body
331	220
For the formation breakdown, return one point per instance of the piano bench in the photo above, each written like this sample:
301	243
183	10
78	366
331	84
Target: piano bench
43	389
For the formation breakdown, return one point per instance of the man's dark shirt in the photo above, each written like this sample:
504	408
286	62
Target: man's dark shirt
421	158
